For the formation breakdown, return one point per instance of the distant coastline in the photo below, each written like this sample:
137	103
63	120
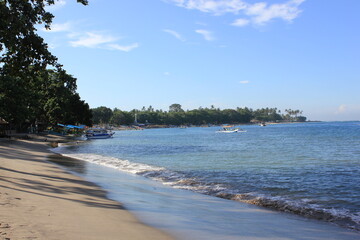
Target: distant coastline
152	126
176	116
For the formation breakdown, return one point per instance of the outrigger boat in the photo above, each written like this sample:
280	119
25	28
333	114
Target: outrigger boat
230	129
98	133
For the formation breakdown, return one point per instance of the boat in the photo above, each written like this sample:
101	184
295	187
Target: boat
230	129
262	124
98	133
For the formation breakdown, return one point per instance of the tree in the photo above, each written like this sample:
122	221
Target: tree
80	110
101	115
301	119
194	117
177	116
13	100
230	116
175	108
267	114
29	92
57	88
50	97
20	45
57	99
118	117
245	114
150	109
292	115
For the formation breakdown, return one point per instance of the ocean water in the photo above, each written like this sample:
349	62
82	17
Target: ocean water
311	170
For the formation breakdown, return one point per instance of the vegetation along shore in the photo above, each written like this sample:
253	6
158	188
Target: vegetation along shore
177	116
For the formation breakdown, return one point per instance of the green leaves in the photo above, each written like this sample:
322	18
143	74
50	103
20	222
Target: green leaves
177	116
13	105
49	97
101	115
20	45
175	108
28	92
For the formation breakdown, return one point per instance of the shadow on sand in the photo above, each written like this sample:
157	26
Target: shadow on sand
53	182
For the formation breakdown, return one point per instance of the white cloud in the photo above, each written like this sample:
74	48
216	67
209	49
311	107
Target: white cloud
59	27
346	112
261	13
208	36
175	34
88	39
244	82
341	109
58	4
216	7
96	40
257	13
92	40
240	22
127	48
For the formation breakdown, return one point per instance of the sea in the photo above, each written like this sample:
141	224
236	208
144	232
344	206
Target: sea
194	182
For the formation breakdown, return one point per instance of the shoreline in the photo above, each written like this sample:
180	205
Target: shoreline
182	213
141	126
191	215
40	200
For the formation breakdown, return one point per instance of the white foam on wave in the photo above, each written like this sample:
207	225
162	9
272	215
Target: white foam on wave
62	148
116	163
112	162
180	180
167	177
304	207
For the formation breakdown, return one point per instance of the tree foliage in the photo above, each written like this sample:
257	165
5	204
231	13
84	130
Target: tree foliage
267	114
20	45
49	97
177	116
29	92
175	108
101	115
12	99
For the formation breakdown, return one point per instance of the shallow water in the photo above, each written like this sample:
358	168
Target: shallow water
194	216
310	169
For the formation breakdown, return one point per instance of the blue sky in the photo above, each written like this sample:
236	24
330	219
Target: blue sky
298	54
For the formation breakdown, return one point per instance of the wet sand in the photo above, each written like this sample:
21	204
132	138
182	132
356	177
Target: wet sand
39	200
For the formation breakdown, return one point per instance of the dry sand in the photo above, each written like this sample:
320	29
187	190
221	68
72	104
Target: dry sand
39	200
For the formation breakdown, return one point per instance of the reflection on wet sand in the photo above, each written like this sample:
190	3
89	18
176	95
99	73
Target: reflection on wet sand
72	164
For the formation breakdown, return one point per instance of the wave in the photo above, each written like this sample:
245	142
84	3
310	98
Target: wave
112	162
197	183
303	207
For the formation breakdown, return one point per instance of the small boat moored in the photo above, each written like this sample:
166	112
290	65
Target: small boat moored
98	133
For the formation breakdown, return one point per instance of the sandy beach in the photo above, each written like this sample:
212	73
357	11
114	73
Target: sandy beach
39	200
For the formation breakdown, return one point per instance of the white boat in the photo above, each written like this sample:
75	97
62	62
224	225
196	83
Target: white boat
230	129
98	134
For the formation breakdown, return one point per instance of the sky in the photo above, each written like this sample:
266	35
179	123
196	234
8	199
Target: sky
297	54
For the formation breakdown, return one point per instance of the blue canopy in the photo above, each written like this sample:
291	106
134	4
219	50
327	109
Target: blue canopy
71	126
